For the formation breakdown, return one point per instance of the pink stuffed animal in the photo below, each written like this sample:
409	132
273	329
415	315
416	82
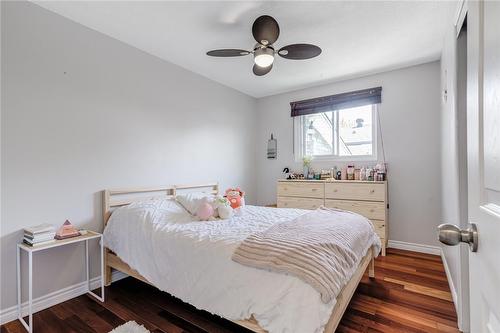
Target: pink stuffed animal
235	197
205	212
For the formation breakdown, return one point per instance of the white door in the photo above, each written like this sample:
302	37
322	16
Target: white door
483	144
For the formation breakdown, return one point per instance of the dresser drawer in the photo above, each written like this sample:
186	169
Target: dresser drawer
369	209
380	228
301	189
363	191
302	203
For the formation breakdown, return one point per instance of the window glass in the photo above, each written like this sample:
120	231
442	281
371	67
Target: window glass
356	131
318	134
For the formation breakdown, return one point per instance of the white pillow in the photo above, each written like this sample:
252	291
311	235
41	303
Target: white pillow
192	201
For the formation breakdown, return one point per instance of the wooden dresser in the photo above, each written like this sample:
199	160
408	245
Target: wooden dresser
368	198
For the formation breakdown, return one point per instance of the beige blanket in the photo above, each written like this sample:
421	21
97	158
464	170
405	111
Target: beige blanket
323	248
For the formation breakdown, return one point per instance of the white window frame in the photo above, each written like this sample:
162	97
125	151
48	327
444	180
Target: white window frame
299	146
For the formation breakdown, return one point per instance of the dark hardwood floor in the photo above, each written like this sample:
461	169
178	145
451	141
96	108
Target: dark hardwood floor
409	294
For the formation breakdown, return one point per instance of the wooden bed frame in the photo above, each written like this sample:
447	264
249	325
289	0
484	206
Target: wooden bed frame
122	197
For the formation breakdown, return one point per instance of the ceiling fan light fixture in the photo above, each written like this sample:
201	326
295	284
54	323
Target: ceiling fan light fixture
265	31
264	56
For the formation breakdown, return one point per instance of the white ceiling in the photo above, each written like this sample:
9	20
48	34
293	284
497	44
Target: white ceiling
357	37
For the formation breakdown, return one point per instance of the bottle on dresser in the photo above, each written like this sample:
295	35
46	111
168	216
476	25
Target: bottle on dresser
334	172
362	174
369	174
343	174
350	172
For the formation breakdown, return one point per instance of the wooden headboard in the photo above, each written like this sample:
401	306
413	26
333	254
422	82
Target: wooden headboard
121	197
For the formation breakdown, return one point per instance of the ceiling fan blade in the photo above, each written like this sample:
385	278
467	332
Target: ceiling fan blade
228	53
259	71
265	30
299	51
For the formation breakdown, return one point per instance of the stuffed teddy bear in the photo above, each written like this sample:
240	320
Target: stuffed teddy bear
235	197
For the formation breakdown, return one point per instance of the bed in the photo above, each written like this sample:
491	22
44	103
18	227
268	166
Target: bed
196	252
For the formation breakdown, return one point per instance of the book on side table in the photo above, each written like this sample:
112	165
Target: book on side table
39	234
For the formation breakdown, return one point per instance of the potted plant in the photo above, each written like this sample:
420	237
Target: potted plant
306	163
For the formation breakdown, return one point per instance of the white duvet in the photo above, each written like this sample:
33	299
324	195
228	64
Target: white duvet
191	260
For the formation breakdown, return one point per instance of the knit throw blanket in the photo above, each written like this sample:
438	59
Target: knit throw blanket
322	248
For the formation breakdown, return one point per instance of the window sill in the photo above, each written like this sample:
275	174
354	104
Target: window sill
346	159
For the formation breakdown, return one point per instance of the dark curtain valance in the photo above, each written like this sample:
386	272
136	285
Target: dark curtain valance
339	101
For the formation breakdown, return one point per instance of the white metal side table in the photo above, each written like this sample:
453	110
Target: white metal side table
31	249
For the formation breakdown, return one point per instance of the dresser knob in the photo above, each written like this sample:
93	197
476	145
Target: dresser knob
335	190
372	210
372	191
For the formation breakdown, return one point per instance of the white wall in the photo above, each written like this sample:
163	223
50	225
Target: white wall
410	118
82	112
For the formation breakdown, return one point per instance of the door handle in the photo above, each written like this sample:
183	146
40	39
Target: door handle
450	234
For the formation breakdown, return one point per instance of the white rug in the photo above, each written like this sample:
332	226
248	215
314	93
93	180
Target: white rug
130	327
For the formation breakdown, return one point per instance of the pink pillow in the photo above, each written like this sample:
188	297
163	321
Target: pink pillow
205	211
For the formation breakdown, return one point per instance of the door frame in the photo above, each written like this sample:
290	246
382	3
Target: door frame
462	301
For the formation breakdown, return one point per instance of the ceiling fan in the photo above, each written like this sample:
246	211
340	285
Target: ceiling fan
266	31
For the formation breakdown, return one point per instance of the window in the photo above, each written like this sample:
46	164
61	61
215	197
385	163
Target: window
343	134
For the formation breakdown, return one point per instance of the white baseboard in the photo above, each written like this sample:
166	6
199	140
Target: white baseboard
56	297
415	247
454	294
